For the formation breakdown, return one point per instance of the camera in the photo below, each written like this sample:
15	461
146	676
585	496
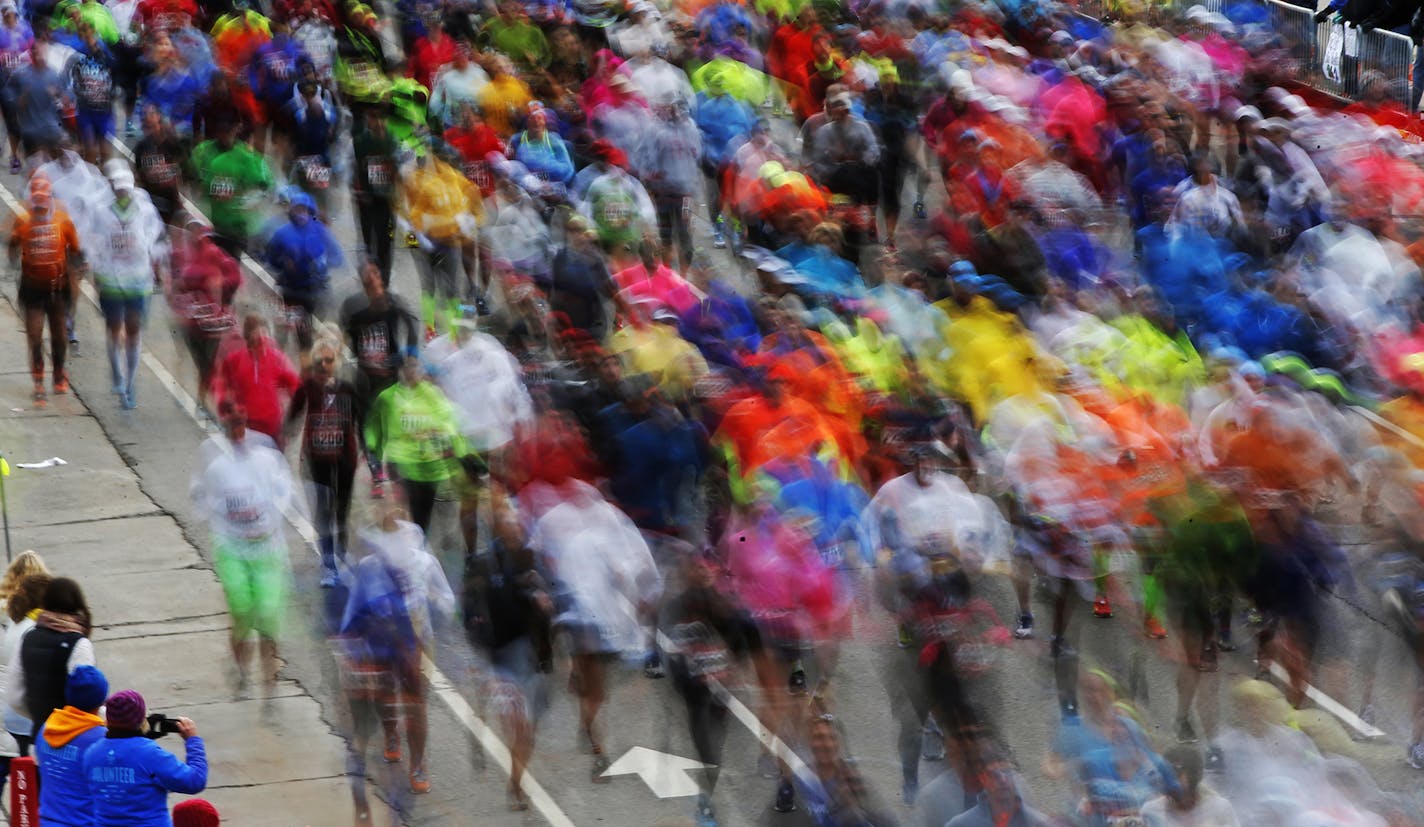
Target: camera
160	725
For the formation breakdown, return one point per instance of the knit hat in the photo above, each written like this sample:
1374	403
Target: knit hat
195	812
125	710
86	689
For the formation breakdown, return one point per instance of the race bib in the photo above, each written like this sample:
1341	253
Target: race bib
241	510
479	173
158	171
122	243
378	175
375	346
222	188
616	213
316	173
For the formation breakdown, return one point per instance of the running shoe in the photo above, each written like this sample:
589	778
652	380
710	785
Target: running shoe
419	784
39	395
61	383
1101	607
920	210
1152	627
797	684
392	753
785	798
653	666
1060	648
909	791
1214	761
411	240
1208	661
330	579
600	766
14	166
1415	758
1185	733
1224	641
931	742
704	814
1024	630
903	638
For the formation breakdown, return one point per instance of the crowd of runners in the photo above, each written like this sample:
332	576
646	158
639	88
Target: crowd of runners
1144	343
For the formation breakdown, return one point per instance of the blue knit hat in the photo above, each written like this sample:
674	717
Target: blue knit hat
87	688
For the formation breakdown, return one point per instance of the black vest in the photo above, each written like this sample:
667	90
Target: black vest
44	655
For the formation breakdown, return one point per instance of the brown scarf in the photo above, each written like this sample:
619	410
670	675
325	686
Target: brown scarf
58	622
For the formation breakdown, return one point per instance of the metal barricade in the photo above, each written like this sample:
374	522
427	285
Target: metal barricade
1296	29
1392	55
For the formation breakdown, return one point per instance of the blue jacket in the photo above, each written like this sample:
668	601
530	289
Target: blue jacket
303	255
549	159
131	778
65	797
174	94
721	118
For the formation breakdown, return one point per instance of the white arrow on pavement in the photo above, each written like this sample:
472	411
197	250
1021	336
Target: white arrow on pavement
666	775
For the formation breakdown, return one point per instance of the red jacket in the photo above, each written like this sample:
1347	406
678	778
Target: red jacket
427	58
474	147
257	381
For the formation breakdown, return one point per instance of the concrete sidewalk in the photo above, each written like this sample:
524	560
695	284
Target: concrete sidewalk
161	622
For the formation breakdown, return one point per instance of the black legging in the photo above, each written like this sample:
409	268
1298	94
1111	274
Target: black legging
376	221
331	504
420	500
706	718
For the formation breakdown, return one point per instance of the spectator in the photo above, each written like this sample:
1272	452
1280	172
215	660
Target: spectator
66	797
131	776
58	645
20	591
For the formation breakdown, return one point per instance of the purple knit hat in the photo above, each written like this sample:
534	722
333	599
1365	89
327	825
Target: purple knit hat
125	710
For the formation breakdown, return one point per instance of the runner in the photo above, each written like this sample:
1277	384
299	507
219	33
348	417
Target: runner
242	486
46	245
130	255
333	441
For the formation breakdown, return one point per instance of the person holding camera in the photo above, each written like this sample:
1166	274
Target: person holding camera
130	775
65	797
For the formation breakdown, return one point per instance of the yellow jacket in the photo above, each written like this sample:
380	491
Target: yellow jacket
434	196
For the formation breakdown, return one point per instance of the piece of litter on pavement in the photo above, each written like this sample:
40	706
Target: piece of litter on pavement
18	410
48	463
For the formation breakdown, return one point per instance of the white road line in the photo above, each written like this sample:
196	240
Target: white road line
492	744
1330	705
442	686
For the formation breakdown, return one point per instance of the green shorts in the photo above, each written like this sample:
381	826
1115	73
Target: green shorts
253	574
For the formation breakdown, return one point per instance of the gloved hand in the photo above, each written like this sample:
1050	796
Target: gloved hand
1324	14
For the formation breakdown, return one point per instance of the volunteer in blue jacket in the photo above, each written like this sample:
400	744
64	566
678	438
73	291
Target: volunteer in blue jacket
131	776
302	252
65	797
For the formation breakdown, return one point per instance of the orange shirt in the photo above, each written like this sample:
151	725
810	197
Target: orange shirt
46	246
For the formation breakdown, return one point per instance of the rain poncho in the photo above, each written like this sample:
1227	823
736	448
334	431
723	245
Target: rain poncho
602	569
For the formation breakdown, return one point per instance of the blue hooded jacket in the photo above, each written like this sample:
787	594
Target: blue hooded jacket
131	778
303	253
65	798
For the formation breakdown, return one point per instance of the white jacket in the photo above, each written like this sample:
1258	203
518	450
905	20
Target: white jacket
125	243
242	489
